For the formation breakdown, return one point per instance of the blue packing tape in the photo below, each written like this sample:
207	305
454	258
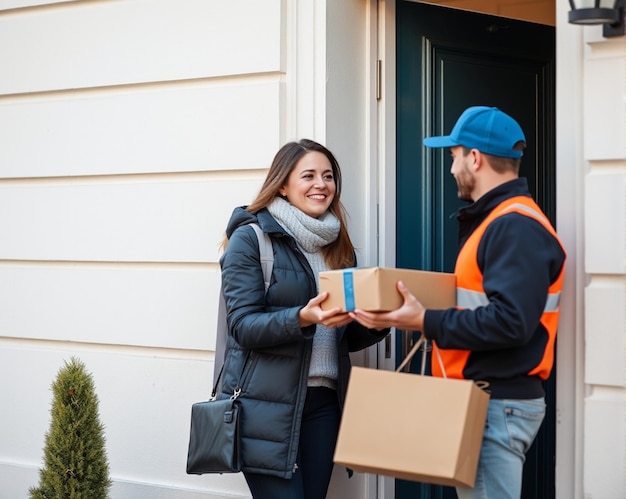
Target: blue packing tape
348	289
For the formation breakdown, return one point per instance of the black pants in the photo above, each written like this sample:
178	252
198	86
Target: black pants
318	435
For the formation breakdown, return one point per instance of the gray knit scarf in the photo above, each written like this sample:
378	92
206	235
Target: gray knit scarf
312	234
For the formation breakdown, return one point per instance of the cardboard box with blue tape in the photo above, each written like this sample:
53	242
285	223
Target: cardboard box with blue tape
374	288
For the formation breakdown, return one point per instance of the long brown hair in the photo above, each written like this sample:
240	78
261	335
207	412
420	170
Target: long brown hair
340	253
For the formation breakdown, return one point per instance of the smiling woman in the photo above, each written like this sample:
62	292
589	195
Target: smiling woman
290	427
311	184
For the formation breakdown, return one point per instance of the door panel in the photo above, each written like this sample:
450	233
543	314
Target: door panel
447	60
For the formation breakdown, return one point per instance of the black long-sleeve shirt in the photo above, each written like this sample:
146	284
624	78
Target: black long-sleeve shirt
519	259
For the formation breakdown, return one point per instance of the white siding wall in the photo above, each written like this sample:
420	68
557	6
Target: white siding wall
591	363
604	132
130	129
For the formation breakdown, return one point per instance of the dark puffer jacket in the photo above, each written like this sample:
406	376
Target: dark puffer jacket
267	352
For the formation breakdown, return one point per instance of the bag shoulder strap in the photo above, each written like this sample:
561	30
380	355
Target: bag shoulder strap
266	253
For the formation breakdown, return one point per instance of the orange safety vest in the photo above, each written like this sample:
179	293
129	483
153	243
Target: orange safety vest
470	293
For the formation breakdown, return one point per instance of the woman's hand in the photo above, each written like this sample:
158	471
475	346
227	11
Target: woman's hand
312	313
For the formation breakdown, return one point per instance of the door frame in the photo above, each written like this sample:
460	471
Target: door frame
570	347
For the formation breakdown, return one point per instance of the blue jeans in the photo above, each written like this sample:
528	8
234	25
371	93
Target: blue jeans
511	427
318	436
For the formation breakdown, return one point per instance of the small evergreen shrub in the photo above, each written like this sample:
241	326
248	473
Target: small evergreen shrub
75	461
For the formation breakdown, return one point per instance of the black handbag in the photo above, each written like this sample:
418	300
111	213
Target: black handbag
214	436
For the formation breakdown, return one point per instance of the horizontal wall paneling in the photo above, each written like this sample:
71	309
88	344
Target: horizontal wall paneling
173	307
161	221
226	125
94	44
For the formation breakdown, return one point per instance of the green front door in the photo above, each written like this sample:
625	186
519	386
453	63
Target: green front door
447	60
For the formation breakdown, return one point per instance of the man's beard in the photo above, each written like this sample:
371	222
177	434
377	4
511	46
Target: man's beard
465	182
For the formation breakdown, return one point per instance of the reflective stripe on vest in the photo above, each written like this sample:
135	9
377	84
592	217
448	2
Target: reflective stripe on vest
466	298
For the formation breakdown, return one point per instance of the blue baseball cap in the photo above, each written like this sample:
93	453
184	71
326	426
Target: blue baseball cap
487	129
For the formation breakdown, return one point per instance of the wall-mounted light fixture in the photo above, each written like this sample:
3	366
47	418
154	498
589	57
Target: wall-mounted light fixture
609	13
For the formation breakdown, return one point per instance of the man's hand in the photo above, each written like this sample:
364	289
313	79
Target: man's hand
410	315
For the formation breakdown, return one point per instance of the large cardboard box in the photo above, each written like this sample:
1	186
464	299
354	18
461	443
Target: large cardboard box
374	288
413	427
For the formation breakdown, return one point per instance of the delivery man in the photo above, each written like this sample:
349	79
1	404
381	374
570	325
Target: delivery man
509	273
